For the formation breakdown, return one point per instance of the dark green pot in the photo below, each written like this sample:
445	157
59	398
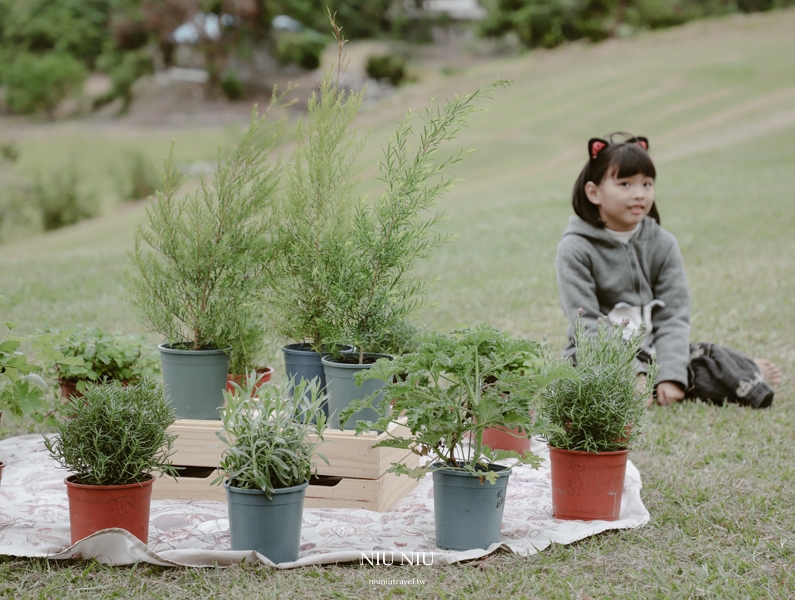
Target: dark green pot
343	390
271	527
468	513
194	381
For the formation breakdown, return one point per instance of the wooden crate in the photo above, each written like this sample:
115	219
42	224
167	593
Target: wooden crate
355	477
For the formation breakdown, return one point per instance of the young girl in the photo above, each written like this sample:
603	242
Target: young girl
616	262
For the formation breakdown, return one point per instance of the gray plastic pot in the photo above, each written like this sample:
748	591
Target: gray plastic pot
194	381
343	390
468	513
271	527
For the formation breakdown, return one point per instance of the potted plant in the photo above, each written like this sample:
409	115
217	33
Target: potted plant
446	404
346	272
268	462
112	439
22	388
105	356
249	349
597	407
201	264
529	363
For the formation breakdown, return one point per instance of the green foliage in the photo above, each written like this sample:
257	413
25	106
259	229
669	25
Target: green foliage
301	48
21	387
386	66
114	434
377	287
362	18
124	68
267	433
61	200
197	283
232	87
598	405
315	212
105	356
142	179
41	82
449	391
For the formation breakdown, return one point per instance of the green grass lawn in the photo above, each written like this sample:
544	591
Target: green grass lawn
717	101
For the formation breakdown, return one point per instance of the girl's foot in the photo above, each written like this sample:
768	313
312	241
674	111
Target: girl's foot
770	371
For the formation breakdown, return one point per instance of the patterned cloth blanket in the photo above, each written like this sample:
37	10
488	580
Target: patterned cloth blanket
34	521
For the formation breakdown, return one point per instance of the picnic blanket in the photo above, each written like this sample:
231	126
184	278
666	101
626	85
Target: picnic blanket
34	521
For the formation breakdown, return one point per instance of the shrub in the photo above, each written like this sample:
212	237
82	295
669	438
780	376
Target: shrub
115	435
142	180
42	82
304	48
232	87
386	66
61	200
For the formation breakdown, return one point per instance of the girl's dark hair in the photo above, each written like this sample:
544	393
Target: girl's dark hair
626	157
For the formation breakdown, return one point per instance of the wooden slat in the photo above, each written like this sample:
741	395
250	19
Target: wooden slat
348	455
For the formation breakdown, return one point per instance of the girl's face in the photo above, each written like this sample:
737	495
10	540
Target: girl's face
624	202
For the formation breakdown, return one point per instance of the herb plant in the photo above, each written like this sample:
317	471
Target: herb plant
111	356
201	263
267	433
115	434
21	386
598	404
454	386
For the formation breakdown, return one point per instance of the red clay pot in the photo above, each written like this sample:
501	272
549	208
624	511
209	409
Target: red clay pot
241	379
499	438
587	486
96	507
69	389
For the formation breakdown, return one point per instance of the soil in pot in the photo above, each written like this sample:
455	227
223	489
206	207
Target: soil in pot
587	486
96	507
343	390
271	527
265	372
468	512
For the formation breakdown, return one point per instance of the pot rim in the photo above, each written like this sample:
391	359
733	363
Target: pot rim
164	347
501	470
287	490
326	360
606	453
150	479
304	348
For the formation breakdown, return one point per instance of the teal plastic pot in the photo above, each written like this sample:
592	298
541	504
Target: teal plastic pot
468	513
271	527
194	381
343	390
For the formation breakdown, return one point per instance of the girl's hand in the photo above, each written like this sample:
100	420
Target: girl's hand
669	392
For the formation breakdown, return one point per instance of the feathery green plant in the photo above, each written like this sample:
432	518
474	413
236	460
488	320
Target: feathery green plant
197	284
114	434
598	405
267	434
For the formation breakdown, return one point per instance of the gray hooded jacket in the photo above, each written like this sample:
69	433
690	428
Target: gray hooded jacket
604	276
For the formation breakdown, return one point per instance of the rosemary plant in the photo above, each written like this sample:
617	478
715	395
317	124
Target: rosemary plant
454	386
114	434
198	281
267	433
598	405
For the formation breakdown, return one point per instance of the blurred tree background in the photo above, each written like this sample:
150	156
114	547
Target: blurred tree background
49	47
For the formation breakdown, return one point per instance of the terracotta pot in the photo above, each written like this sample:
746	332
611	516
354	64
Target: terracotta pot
587	486
240	380
69	389
96	507
500	438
